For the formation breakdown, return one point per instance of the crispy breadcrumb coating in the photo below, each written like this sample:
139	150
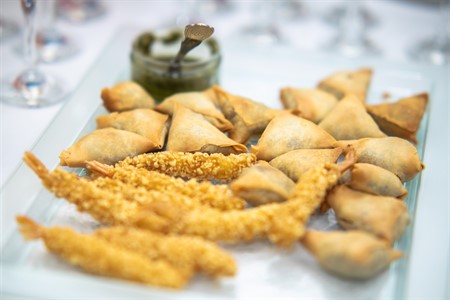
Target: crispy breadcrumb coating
282	223
201	166
97	256
104	206
203	193
191	253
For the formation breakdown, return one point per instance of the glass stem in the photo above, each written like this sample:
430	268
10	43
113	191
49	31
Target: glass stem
29	10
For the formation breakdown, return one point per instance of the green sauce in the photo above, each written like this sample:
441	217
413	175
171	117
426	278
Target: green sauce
151	69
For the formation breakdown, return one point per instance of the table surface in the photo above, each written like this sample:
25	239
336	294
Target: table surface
400	25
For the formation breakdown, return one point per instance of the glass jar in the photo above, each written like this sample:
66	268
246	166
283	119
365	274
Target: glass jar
150	59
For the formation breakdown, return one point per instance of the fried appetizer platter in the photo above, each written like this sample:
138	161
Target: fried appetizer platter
401	118
126	95
199	102
353	254
166	185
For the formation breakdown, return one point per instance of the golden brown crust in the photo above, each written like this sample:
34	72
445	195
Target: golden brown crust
126	95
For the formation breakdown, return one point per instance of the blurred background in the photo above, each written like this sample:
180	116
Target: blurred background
72	33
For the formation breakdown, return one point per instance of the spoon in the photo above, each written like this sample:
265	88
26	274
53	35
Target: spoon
194	35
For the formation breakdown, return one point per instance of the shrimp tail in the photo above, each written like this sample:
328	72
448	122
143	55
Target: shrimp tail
350	159
35	164
29	229
99	168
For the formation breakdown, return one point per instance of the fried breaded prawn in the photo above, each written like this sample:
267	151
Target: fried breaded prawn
98	256
191	253
206	193
104	206
281	223
201	166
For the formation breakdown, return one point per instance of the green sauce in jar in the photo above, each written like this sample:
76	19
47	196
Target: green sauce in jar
150	60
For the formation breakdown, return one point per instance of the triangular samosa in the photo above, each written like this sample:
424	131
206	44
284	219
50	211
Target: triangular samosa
401	118
126	95
107	145
191	132
262	184
352	254
374	180
143	121
391	153
295	163
287	132
199	102
349	120
384	217
249	118
348	82
313	104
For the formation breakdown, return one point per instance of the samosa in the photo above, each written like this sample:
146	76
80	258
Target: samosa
126	95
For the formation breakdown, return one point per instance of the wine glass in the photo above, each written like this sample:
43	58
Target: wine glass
31	87
8	28
80	10
52	45
351	39
436	49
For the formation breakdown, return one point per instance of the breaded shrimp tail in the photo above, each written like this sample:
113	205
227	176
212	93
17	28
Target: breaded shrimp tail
29	229
35	164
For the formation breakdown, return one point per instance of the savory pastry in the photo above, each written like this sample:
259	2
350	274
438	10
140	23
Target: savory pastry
262	184
184	252
199	102
348	82
352	254
391	153
281	223
374	180
126	95
191	132
384	217
295	163
249	118
199	193
401	118
201	166
107	145
97	256
313	104
287	132
349	120
142	121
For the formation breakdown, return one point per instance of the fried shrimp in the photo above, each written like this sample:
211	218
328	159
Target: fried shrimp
97	256
104	206
201	166
191	253
204	192
282	223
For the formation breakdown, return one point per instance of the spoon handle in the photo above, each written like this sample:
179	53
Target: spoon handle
186	46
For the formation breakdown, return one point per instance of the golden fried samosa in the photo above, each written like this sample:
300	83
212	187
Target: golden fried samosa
287	132
126	95
143	121
313	104
199	102
249	118
262	184
384	217
349	120
374	180
296	162
348	82
401	118
191	132
352	254
107	145
391	153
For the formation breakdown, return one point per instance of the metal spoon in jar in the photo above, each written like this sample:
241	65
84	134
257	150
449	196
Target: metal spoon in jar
194	35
